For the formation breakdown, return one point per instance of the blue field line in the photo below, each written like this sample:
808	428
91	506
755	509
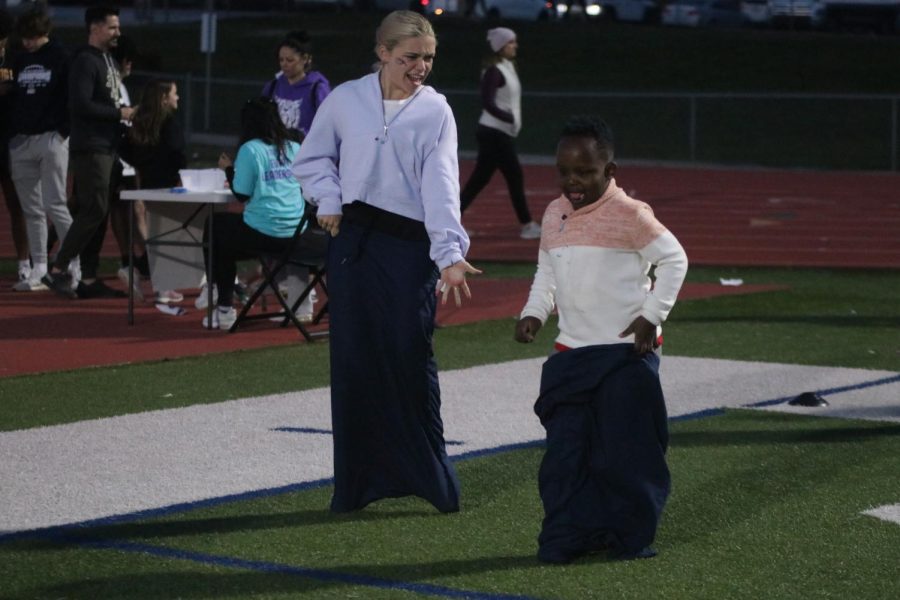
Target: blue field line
69	534
165	511
305	572
172	509
330	432
826	392
700	414
302	430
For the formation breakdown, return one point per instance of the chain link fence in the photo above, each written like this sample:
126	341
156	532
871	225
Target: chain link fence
817	131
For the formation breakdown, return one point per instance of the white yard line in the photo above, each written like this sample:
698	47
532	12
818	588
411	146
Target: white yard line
113	466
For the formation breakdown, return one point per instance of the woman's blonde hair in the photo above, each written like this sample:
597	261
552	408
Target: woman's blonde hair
401	25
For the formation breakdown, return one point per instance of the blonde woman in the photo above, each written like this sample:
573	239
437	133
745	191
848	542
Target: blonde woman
392	209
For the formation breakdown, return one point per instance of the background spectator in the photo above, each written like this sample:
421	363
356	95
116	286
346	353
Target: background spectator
125	178
39	148
298	89
498	126
95	114
16	217
155	145
261	177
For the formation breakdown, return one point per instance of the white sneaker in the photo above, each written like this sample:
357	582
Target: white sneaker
30	285
222	319
75	271
136	284
169	296
25	273
305	311
202	300
531	231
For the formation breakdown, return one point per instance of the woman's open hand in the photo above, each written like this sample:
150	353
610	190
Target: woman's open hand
454	278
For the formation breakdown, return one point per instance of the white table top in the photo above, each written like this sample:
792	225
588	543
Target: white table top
167	195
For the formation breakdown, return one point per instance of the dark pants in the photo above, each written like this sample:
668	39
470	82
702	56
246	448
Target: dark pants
603	479
496	150
85	236
385	396
234	240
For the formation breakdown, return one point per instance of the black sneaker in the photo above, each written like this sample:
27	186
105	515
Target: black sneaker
98	289
60	284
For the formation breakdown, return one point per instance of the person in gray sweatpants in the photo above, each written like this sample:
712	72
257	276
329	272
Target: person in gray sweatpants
39	147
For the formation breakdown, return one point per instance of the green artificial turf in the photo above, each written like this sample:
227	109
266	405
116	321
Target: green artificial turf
847	318
764	506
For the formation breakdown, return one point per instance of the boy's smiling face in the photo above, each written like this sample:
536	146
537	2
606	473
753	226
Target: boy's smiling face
584	169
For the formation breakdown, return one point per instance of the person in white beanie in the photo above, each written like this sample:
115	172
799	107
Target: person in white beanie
498	126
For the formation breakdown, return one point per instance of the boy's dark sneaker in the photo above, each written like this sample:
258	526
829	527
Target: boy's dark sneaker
98	289
59	283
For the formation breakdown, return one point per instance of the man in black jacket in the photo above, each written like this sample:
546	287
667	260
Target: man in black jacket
39	148
95	121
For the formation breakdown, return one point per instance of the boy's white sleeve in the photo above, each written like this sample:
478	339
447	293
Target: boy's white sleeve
671	267
541	299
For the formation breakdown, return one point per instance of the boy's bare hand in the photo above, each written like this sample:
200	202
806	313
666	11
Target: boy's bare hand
526	329
644	335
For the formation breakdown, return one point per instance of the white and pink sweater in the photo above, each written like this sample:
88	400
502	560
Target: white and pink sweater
593	266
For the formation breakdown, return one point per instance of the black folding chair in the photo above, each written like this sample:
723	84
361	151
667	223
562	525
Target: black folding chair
306	249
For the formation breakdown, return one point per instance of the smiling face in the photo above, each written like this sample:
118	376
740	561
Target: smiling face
105	34
405	67
584	170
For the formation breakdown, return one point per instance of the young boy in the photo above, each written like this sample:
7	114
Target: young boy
603	480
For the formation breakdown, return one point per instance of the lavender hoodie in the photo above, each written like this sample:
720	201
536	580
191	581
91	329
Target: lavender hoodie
407	166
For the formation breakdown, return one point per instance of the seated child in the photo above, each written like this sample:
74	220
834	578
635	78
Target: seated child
603	479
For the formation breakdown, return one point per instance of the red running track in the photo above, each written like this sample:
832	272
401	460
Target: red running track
40	332
735	217
722	216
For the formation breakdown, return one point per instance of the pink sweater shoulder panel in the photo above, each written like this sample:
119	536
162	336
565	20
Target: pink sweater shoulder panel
614	221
